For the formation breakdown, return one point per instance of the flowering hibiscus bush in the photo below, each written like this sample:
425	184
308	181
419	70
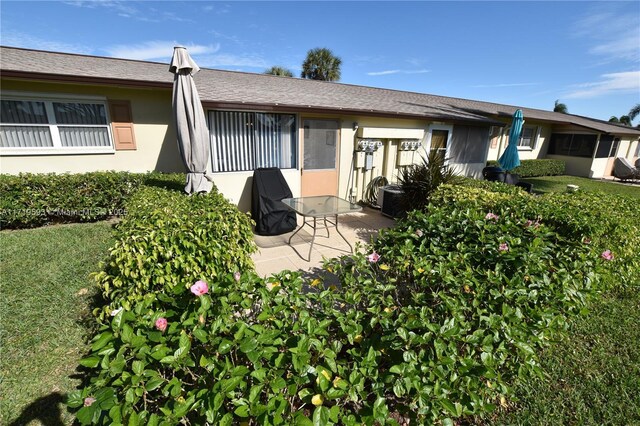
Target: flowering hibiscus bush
431	323
168	240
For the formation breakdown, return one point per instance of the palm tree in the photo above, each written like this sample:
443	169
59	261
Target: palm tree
321	64
560	107
634	112
277	70
624	119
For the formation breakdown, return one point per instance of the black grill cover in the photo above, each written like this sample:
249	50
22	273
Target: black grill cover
271	216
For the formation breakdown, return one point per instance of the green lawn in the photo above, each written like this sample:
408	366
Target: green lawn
593	377
46	293
559	184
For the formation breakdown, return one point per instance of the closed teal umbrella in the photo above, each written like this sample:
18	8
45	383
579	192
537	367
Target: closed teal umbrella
510	158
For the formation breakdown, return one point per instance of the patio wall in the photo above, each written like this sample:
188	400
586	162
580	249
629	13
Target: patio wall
156	147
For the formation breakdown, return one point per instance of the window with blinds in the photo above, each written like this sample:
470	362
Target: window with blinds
528	137
245	141
36	126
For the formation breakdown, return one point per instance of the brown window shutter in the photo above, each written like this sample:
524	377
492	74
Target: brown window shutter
122	125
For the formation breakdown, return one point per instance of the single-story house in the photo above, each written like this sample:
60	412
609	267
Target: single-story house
76	113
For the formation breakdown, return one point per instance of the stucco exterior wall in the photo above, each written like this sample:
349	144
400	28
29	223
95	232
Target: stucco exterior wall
156	147
576	166
236	186
499	143
352	182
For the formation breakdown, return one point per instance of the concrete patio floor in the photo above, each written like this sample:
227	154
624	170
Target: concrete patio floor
275	254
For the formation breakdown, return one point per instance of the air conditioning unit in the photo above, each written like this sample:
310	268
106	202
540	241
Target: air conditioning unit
390	201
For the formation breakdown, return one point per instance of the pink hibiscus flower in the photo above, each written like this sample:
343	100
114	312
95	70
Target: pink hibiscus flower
161	324
200	288
607	255
373	257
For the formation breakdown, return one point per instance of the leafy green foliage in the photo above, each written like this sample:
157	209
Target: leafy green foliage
418	181
531	168
167	239
454	307
321	64
30	200
278	70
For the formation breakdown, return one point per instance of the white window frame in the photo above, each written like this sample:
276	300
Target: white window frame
57	148
446	127
534	138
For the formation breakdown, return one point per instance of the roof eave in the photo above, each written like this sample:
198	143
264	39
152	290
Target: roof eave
64	78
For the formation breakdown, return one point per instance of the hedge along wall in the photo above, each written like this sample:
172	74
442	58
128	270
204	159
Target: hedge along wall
533	168
31	200
168	239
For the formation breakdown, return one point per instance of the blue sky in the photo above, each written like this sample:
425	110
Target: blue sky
587	54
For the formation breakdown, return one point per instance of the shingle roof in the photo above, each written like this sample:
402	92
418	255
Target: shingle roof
231	87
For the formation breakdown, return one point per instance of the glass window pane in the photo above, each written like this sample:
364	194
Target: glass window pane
560	144
604	147
84	136
79	113
320	141
439	139
25	137
477	144
232	141
275	136
526	139
583	145
23	112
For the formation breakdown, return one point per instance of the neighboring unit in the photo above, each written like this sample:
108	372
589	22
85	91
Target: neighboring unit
74	113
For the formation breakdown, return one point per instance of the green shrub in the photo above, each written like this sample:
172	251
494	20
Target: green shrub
432	323
168	238
30	200
604	221
532	168
418	181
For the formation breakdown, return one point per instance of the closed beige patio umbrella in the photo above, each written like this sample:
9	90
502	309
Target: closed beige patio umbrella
191	126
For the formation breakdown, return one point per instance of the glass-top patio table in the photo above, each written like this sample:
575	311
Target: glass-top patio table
320	207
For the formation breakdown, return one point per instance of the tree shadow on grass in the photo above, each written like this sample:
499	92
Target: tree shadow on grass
45	409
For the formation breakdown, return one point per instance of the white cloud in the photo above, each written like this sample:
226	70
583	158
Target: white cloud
482	86
613	83
229	60
157	50
384	72
389	72
124	8
626	46
27	41
613	31
127	10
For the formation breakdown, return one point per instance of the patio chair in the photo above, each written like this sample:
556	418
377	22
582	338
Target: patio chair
623	170
271	216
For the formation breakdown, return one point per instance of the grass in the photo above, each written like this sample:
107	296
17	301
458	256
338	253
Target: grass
593	377
559	184
46	294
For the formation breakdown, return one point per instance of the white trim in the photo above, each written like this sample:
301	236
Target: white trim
48	99
38	96
16	152
430	129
